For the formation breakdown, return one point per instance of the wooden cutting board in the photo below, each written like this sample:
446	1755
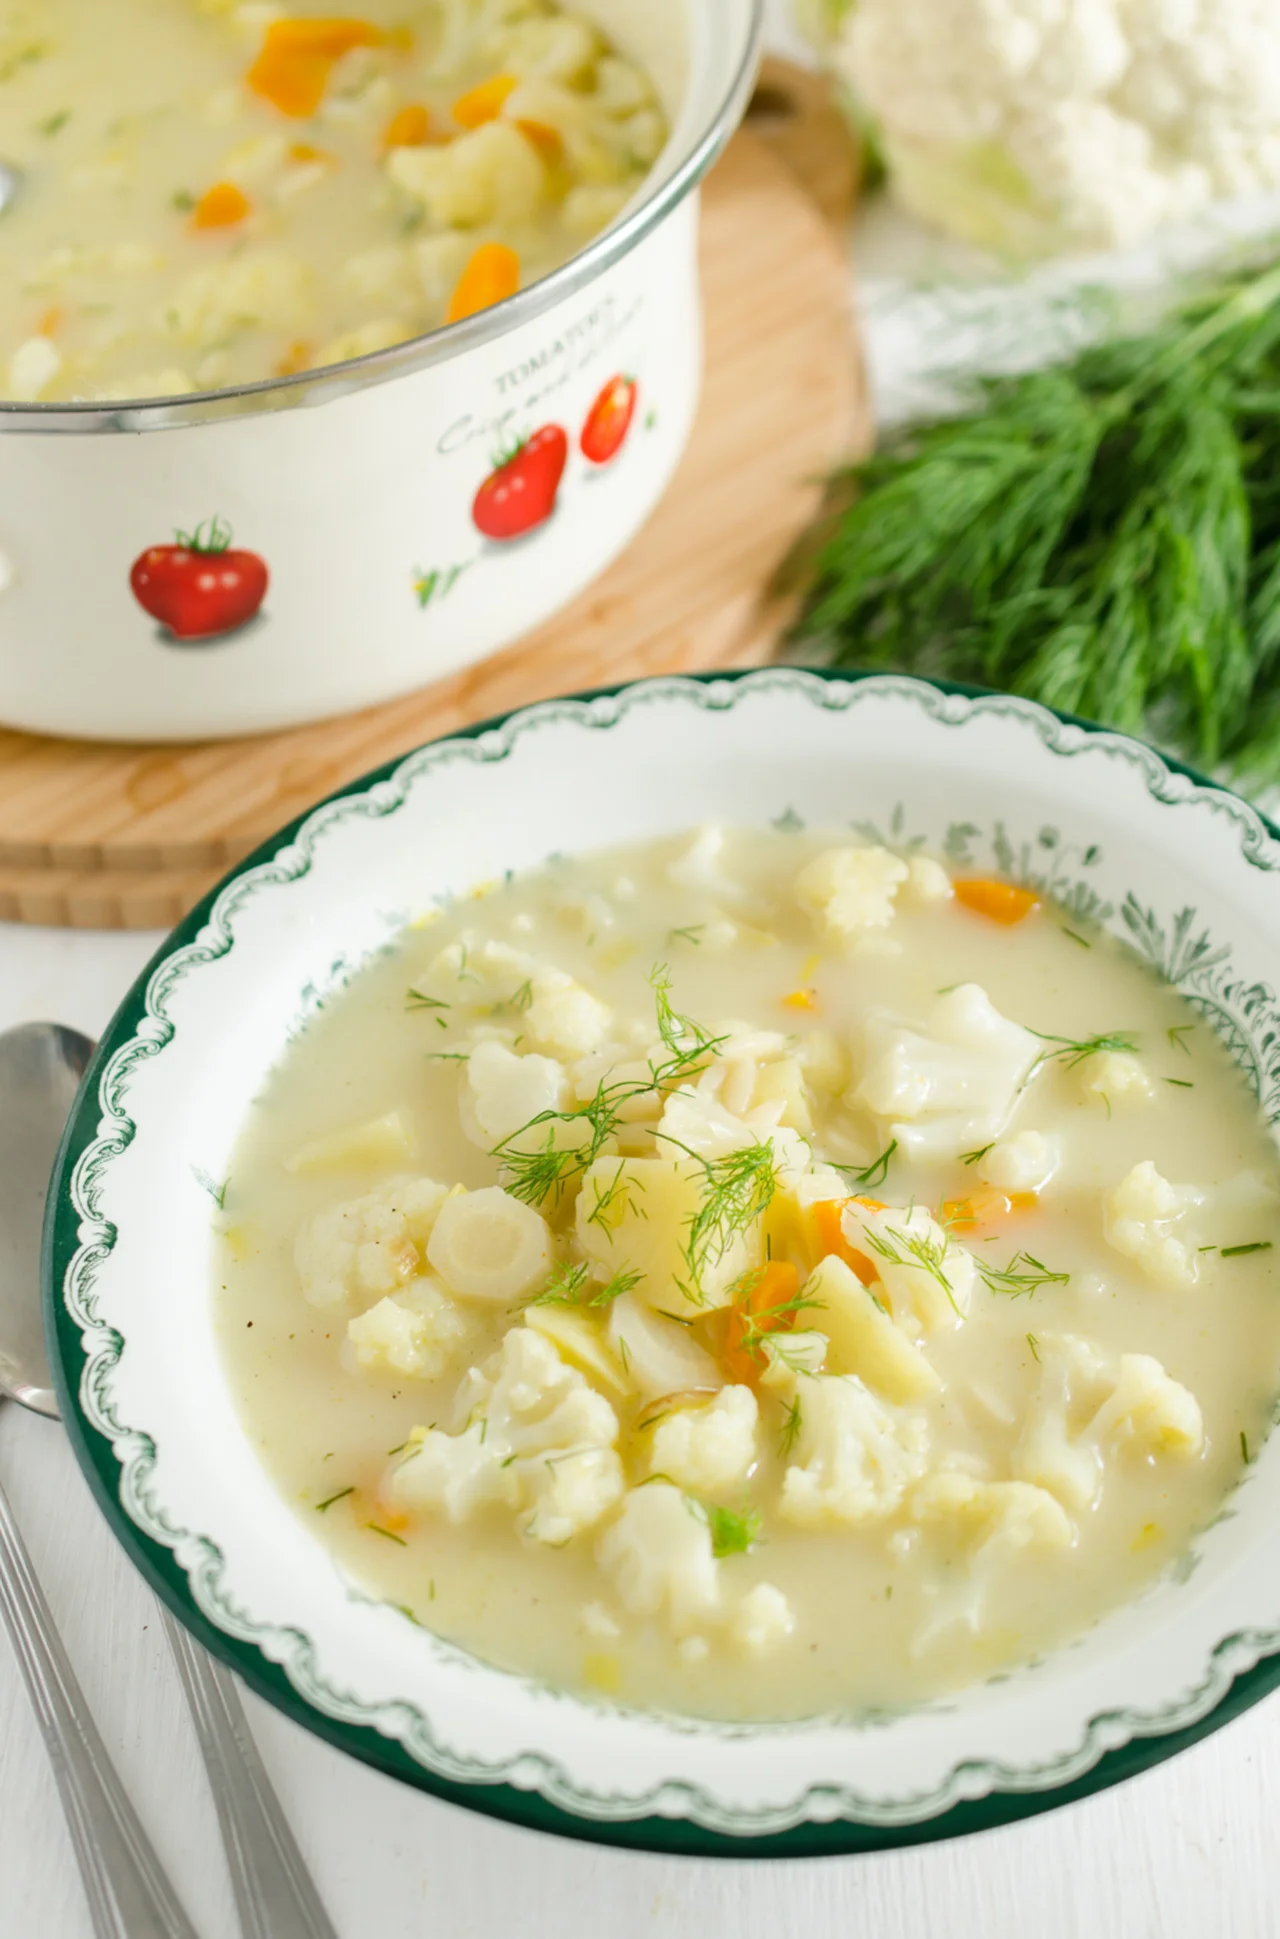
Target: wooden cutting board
128	837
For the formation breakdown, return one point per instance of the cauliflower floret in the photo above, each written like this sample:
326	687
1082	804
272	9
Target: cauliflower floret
709	1449
762	1621
659	1555
697	866
923	1270
927	881
480	975
32	368
1149	1410
1086	1403
370	1246
792	1357
951	1086
501	1093
535	1438
564	1019
993	1514
695	1121
492	174
658	1355
854	1457
849	891
1115	1076
1024	1163
416	1331
1137	1217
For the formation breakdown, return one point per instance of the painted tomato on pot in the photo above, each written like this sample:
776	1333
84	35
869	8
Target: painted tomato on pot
200	585
520	493
609	419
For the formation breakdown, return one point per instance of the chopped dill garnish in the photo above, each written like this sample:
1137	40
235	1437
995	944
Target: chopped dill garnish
1034	1344
1182	1083
876	1172
1077	938
972	1157
692	934
759	1327
340	1496
789	1434
397	1450
376	1528
418	1000
1244	1447
564	1288
448	1056
1074	1050
900	1248
733	1531
616	1190
403	1609
1237	1252
1176	1032
737	1189
465	975
1023	1274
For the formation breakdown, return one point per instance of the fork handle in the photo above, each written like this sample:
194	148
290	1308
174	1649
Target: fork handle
129	1895
274	1893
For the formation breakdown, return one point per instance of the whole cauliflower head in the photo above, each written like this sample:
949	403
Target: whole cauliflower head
533	1436
1037	125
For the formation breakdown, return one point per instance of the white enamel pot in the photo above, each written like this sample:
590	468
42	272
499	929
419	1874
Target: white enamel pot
353	490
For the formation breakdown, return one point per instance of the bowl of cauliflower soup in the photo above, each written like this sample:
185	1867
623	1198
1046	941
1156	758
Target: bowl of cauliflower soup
736	1312
340	350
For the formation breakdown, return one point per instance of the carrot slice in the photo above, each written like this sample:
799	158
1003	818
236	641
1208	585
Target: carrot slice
297	357
292	71
221	207
766	1306
485	102
51	322
546	140
800	1000
409	127
831	1239
999	901
982	1206
491	275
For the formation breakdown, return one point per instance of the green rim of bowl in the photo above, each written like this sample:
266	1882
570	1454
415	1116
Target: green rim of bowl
159	1566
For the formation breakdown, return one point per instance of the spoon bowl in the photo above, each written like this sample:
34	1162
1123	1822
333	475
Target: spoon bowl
41	1065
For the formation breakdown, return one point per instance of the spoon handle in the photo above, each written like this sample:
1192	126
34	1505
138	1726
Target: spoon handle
274	1892
129	1895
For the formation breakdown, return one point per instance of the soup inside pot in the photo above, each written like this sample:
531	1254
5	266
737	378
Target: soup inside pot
754	1275
221	191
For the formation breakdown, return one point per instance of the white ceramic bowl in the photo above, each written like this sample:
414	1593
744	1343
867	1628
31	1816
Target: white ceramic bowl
354	486
1184	872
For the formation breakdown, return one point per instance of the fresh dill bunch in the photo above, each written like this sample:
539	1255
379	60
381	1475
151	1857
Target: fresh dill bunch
1102	535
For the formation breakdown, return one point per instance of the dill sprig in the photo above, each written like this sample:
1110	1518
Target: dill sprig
1102	535
733	1531
921	1249
1073	1051
570	1286
789	1432
1023	1274
737	1190
876	1172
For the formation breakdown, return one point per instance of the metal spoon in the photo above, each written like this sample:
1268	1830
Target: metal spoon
40	1070
11	180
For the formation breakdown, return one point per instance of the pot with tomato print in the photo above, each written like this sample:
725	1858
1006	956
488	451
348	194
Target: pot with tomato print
200	587
420	505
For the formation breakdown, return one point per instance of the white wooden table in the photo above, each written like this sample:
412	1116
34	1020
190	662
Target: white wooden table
1190	1851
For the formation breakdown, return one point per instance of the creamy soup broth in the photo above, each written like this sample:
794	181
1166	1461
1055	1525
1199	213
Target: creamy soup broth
220	191
894	1498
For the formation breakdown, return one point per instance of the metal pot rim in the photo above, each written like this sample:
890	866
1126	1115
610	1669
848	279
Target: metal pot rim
312	387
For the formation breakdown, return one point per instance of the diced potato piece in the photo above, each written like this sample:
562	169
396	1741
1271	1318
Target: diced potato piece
636	1214
381	1141
580	1339
862	1337
416	1331
762	1621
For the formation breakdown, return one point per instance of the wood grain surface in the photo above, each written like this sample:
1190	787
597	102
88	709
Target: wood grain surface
104	836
